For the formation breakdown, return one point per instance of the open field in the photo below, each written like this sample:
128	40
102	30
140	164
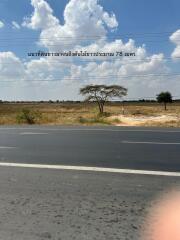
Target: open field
135	114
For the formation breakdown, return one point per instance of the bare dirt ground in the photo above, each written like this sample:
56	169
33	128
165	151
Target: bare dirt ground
135	114
145	120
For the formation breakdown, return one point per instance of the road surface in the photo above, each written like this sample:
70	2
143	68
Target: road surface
125	148
38	203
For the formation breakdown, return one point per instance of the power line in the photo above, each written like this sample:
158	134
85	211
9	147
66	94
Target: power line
90	38
64	39
116	35
93	77
68	44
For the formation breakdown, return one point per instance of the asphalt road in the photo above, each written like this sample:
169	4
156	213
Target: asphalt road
125	148
42	204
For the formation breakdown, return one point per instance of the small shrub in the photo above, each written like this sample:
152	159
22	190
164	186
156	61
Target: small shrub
137	112
96	120
104	114
116	121
28	116
82	120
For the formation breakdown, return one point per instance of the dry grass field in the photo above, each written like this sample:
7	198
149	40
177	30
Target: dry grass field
135	114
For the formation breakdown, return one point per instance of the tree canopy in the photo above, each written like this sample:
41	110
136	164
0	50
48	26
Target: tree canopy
164	97
102	93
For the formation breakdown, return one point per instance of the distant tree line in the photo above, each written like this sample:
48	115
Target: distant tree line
103	94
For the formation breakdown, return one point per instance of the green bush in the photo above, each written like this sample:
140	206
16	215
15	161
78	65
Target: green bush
82	120
28	116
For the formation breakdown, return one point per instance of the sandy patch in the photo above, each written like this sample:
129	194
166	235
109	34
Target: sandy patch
143	120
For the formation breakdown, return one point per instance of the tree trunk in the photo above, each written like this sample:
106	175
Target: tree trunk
123	109
165	106
99	105
102	108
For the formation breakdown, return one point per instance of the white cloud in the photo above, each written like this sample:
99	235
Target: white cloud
11	67
42	17
84	18
175	38
1	24
119	70
87	18
15	25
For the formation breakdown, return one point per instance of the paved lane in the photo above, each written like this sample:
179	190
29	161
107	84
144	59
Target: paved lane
111	147
61	204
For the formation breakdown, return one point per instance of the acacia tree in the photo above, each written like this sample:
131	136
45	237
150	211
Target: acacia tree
164	97
102	93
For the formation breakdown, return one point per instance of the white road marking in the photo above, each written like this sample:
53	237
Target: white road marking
91	169
152	143
94	129
6	147
32	133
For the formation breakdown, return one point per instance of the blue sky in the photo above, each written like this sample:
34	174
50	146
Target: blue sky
134	17
137	19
